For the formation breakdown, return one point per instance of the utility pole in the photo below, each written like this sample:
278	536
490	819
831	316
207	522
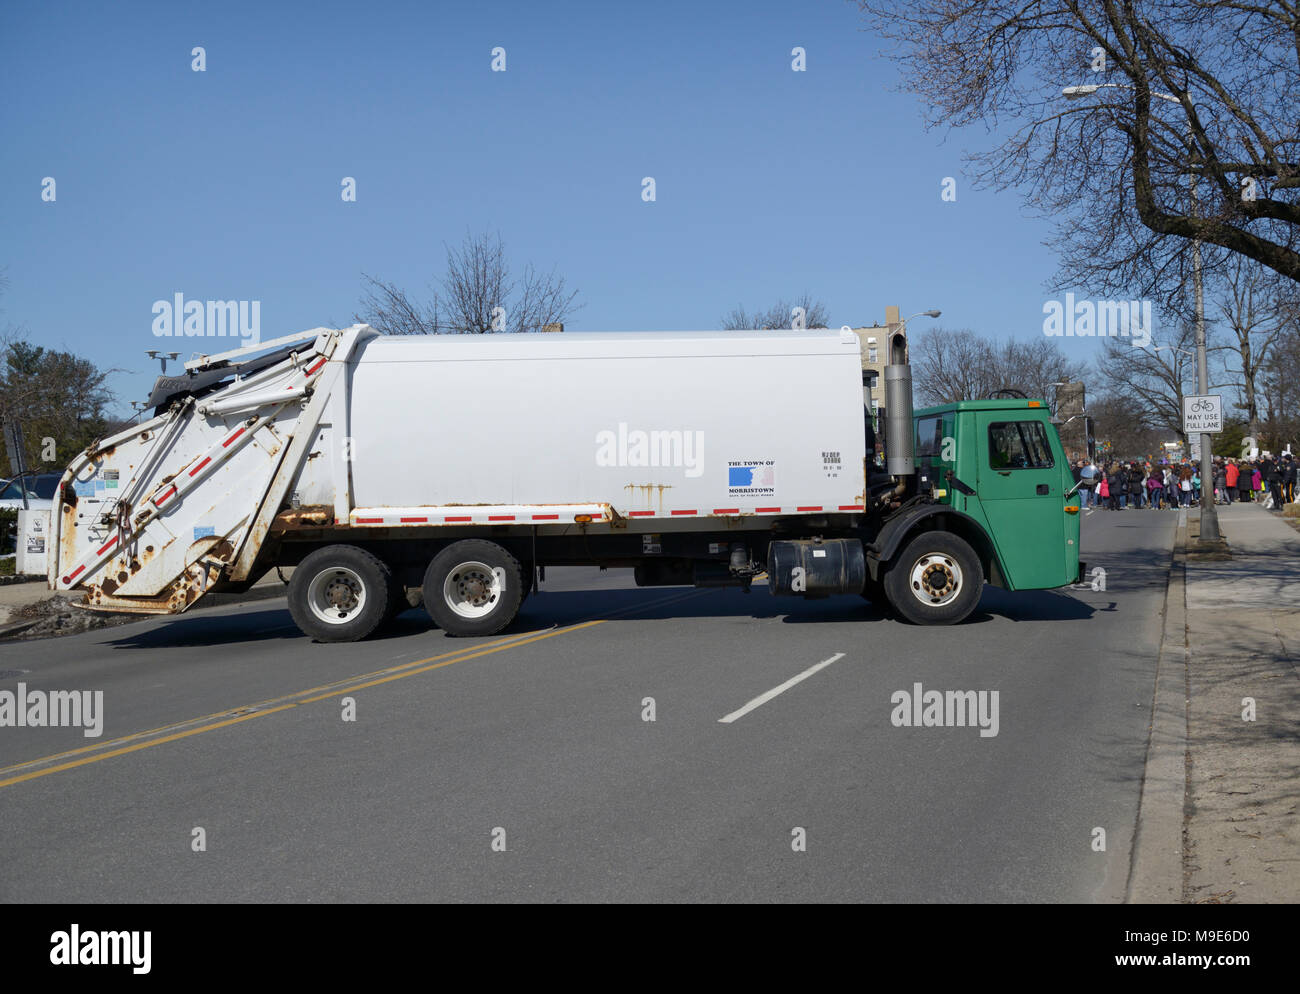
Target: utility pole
1209	513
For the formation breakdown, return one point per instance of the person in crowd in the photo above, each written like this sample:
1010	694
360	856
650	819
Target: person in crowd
1257	483
1135	485
1272	478
1220	482
1288	479
1118	487
1184	485
1196	485
1156	488
1171	486
1243	481
1230	474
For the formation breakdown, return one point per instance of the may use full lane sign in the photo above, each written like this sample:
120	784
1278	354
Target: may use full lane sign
1203	414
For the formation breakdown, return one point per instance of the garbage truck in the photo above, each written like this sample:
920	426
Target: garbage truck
461	466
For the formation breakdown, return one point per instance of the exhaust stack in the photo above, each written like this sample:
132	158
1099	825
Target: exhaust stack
899	436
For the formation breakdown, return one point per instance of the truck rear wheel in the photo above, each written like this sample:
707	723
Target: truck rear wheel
473	587
936	580
340	594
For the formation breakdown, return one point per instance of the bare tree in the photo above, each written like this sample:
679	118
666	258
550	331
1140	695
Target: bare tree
1257	305
476	295
1120	419
1123	156
802	312
1150	383
961	365
1279	388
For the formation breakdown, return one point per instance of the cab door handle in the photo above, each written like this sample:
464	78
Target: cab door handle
1042	489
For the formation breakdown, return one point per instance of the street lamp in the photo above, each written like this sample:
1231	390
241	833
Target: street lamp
902	327
1209	514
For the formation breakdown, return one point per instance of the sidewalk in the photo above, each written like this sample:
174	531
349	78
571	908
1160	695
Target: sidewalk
1242	805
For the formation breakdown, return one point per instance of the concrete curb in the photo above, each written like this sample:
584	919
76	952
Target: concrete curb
1156	871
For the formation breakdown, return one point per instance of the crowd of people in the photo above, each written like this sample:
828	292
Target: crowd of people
1143	484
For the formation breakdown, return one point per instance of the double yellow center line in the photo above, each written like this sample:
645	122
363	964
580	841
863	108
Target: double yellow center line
224	719
101	751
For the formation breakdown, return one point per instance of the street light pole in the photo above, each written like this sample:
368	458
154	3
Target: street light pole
1209	513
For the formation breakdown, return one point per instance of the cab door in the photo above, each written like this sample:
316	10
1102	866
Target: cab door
1021	491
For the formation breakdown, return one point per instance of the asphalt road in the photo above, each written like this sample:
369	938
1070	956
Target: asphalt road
234	723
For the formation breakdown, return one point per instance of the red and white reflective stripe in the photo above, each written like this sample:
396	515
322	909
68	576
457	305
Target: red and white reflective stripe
516	514
212	457
221	450
309	372
391	518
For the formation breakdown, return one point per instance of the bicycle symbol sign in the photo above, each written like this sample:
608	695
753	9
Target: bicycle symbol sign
1203	414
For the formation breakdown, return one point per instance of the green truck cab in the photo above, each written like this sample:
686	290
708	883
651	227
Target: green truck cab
993	499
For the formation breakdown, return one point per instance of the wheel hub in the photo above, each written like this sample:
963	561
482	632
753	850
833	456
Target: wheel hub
473	590
340	595
336	595
936	579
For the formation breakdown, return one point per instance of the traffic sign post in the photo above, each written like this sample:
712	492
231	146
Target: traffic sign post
1203	415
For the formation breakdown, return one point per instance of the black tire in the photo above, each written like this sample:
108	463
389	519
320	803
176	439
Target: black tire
340	594
473	587
935	580
526	575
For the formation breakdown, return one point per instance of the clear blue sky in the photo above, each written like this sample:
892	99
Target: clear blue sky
225	184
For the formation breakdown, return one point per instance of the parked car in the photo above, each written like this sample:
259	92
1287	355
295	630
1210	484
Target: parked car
40	489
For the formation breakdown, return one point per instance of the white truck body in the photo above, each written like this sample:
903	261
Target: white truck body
377	437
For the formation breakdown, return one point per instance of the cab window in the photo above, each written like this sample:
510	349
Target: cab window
1019	445
929	437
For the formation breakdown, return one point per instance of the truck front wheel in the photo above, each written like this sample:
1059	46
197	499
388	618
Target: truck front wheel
936	580
340	593
473	587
